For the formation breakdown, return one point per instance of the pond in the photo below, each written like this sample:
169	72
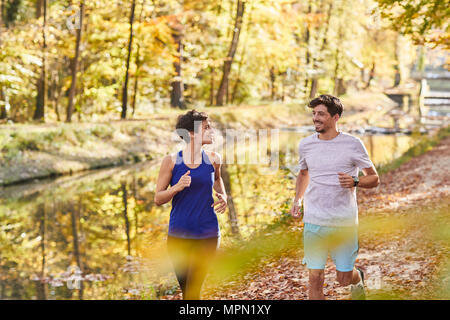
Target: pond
98	234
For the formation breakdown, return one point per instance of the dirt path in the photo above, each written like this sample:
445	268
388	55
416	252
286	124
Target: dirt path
420	181
400	256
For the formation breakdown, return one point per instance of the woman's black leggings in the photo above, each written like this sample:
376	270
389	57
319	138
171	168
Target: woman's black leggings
190	259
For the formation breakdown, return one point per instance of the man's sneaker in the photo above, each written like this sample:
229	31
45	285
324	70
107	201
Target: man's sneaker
358	292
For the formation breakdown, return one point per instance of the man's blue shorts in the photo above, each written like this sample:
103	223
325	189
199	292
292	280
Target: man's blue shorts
340	242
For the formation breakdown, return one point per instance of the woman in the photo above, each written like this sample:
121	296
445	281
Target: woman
192	173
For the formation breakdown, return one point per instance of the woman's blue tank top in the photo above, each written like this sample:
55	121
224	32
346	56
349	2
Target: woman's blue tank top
192	215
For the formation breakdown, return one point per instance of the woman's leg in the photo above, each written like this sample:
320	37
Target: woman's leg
202	255
180	251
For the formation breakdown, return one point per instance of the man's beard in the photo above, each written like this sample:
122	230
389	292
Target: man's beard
320	130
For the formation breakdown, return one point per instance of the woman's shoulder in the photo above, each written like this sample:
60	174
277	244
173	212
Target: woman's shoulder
170	160
214	157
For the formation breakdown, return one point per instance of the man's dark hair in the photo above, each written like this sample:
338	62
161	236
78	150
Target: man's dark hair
186	122
333	104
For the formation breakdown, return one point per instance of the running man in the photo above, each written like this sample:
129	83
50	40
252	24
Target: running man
330	161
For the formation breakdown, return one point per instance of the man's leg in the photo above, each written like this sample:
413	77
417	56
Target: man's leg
315	258
316	279
348	278
344	254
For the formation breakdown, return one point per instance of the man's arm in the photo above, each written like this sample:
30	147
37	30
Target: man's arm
300	187
369	180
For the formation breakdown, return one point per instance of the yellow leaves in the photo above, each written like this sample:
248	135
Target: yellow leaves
314	19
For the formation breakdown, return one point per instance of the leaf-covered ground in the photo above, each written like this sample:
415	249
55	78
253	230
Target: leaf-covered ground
404	242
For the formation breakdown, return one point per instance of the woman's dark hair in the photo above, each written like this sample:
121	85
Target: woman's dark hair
187	122
333	104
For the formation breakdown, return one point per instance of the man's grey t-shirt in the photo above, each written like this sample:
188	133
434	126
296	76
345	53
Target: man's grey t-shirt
326	202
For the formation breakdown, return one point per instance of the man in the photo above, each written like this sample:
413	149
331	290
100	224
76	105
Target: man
330	161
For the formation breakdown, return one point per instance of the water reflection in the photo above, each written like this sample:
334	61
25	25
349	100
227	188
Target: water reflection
97	235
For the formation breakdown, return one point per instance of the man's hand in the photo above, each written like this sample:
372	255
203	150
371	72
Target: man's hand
345	180
221	203
296	210
185	181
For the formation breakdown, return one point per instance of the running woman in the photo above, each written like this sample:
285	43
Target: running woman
330	161
192	174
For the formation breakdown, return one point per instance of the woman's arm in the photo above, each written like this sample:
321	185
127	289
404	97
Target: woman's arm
162	195
219	186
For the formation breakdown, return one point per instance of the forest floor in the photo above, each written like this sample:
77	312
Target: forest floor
403	236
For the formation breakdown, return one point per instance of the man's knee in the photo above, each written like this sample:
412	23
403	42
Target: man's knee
344	278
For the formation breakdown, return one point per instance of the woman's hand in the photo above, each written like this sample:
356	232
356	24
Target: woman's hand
185	181
221	203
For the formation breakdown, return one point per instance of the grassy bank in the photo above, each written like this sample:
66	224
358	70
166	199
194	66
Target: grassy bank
38	151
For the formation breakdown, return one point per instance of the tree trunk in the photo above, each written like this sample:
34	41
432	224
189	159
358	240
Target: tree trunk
138	67
2	10
127	73
236	84
56	104
371	75
336	72
41	100
177	93
74	66
272	83
211	91
241	61
397	76
134	187
2	20
223	87
315	80
135	91
314	87
136	79
397	66
76	248
38	6
3	113
341	88
41	285
308	54
125	215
